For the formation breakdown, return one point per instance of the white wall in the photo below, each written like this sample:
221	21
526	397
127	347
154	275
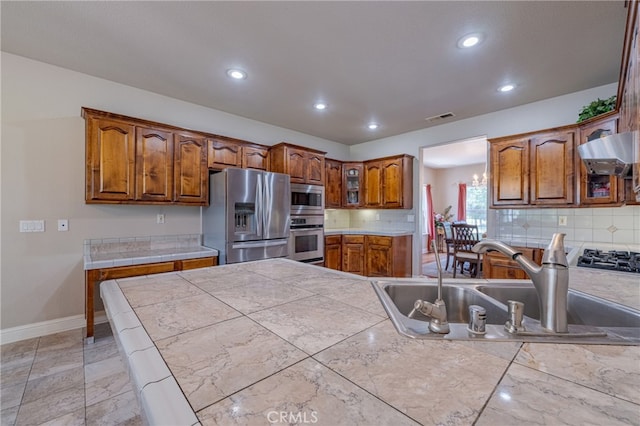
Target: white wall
42	177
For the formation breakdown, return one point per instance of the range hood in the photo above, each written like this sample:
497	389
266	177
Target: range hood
611	155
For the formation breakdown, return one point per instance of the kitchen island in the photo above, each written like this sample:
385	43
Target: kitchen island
278	341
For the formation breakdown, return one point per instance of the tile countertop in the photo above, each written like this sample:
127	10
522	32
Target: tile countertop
363	231
282	341
111	252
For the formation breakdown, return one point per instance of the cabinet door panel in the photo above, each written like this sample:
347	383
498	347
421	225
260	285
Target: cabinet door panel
154	164
510	172
373	184
552	169
333	252
352	185
315	169
333	184
353	254
379	256
191	173
255	158
296	162
110	160
392	183
223	154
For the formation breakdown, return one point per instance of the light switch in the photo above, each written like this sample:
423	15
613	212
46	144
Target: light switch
562	221
160	218
32	226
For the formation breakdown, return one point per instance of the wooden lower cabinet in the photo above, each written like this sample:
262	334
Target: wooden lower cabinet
333	252
95	276
496	265
369	255
388	256
353	254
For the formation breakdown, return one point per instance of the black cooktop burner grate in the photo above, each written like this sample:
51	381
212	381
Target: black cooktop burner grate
612	260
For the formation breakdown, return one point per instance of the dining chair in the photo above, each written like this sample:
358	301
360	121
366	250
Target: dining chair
448	241
464	238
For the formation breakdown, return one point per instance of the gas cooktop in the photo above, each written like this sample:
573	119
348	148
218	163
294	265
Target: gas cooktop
612	260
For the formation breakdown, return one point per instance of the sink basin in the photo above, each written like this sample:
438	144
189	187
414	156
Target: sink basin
456	298
582	309
591	320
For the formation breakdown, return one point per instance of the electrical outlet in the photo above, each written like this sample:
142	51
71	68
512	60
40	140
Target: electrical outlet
160	218
562	221
377	216
63	225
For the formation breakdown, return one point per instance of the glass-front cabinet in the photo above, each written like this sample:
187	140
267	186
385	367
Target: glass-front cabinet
598	189
352	184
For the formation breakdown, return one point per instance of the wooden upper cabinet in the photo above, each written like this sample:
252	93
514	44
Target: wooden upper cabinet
388	182
255	157
352	185
191	175
552	168
533	169
509	172
223	154
129	160
154	164
227	152
333	184
373	184
598	189
304	165
110	160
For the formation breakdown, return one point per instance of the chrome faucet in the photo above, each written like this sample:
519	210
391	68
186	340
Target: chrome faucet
436	311
551	280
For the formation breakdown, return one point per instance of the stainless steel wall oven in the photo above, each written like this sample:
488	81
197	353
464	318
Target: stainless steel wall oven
306	243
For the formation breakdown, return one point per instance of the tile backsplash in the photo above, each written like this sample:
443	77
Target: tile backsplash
615	225
383	220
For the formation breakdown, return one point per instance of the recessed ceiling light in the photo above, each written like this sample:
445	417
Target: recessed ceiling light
320	106
469	40
507	88
372	126
237	74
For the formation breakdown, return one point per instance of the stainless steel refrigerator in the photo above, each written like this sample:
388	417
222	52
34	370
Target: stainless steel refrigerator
248	215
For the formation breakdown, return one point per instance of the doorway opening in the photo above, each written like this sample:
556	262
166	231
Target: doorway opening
453	188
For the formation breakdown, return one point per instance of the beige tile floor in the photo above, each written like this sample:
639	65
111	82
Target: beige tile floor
58	380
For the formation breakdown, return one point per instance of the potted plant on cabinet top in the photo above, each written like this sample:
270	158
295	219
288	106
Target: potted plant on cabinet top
597	107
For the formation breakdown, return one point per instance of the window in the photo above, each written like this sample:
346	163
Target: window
477	207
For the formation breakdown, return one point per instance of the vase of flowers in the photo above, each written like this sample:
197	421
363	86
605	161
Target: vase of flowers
440	218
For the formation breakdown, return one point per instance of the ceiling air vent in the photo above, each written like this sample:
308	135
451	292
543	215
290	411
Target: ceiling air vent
440	117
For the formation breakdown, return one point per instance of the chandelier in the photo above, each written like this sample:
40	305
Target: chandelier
477	182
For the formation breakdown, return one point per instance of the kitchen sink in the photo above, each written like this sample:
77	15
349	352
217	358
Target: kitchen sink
456	298
591	320
582	309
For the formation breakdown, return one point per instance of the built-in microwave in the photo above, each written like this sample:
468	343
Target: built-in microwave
307	199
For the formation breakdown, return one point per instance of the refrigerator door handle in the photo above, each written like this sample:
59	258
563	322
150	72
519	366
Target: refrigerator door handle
251	244
259	206
267	206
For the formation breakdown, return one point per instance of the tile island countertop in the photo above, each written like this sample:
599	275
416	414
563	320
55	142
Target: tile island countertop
281	341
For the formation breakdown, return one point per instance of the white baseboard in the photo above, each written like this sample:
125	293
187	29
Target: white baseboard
43	328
